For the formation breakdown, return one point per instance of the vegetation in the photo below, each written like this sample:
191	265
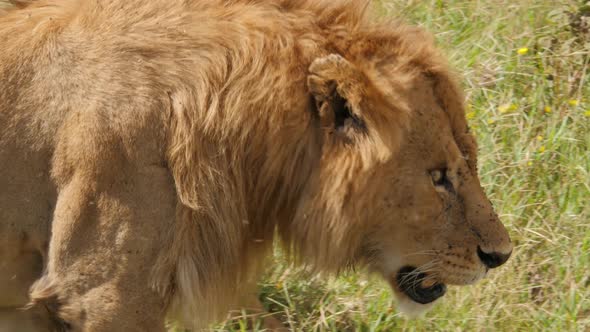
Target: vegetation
526	71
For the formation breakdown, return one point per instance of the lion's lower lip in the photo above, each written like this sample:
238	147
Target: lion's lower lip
410	282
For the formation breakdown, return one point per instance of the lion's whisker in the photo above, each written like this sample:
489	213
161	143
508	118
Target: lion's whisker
413	278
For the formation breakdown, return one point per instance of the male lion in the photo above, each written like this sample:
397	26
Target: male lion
151	150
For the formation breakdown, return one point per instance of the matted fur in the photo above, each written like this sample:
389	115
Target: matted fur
207	115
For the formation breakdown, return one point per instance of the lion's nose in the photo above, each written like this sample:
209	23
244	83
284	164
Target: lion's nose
492	259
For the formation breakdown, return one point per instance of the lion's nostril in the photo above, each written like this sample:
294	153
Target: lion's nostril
493	259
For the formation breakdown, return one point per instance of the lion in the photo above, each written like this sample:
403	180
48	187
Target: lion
151	153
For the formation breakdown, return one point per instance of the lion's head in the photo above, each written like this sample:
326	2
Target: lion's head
397	186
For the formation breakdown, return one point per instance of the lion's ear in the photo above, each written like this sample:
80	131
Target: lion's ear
334	83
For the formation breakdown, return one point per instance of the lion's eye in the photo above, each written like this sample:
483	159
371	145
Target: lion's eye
440	179
437	177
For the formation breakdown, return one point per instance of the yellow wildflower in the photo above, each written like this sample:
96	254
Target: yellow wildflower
539	138
587	113
491	121
522	51
279	285
470	115
573	102
507	108
530	163
542	149
548	109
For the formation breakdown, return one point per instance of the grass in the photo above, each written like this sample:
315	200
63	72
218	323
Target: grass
526	68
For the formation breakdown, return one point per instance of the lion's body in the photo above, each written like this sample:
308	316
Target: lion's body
150	149
113	82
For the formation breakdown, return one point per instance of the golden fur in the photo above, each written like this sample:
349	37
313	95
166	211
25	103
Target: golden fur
166	142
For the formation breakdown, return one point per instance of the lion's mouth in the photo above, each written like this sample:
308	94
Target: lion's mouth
418	286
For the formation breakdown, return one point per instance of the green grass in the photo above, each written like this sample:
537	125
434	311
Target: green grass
531	114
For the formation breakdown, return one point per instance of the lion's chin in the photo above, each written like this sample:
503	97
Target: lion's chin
412	309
